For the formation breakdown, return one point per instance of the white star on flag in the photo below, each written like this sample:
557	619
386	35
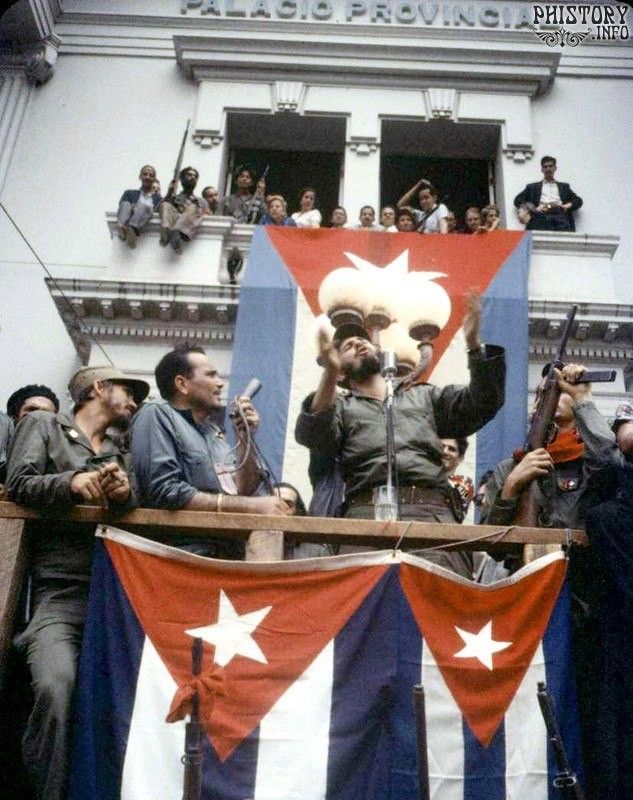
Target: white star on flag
395	270
480	645
232	633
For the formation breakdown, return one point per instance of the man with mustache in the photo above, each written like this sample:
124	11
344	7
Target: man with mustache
181	457
351	427
57	460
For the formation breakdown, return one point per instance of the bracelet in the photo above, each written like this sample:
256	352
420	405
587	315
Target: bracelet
218	503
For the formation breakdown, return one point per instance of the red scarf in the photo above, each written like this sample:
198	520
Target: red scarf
567	446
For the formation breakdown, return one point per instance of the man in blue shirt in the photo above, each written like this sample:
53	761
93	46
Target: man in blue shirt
182	459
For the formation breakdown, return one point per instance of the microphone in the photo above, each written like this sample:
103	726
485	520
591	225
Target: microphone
388	369
252	387
388	364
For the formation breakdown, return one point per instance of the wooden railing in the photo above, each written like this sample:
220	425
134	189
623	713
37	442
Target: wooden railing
145	521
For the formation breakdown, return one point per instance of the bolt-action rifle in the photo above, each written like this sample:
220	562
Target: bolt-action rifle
542	428
420	724
566	780
171	191
254	210
192	759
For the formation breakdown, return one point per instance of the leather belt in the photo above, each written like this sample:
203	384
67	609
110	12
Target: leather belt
408	495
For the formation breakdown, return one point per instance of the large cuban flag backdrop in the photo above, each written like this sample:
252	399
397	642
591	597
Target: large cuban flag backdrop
274	338
319	658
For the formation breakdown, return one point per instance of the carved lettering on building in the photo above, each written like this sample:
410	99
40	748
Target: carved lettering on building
377	12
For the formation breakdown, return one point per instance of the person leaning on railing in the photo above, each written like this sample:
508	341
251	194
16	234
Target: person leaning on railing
57	460
181	457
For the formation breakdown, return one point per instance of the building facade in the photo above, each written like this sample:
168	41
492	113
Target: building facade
356	97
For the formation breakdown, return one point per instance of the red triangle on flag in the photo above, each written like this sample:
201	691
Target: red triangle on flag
470	262
501	625
297	614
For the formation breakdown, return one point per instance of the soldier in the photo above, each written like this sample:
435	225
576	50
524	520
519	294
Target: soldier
57	460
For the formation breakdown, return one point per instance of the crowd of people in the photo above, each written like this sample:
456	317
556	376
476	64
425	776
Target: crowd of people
116	449
545	205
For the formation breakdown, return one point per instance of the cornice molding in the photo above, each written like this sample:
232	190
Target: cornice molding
574	244
137	311
588	352
434	56
111	33
557	309
45	12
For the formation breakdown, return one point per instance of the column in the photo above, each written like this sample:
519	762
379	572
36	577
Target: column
14	94
361	178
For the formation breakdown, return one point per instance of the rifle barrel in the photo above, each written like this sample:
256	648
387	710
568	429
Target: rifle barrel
420	724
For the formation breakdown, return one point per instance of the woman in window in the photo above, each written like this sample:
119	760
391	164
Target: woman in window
490	217
308	216
277	212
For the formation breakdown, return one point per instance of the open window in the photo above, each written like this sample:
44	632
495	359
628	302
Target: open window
298	151
458	159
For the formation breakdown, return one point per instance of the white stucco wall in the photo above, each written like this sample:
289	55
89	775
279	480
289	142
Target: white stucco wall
586	124
34	344
117	99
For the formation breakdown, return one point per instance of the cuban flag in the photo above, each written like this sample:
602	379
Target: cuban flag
318	659
274	333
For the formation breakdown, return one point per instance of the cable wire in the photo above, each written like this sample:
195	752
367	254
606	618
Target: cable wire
56	285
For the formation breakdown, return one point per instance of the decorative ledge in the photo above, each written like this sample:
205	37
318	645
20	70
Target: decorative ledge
145	311
574	244
211	227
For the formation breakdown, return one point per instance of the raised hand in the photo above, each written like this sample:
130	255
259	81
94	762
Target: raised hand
472	320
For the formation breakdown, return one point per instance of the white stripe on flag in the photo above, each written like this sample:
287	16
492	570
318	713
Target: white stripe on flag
444	735
152	766
294	737
304	378
526	738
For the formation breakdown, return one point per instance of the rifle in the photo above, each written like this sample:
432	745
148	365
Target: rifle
192	759
420	724
542	428
252	214
178	167
566	780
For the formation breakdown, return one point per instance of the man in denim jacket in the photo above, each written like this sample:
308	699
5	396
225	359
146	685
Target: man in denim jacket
182	459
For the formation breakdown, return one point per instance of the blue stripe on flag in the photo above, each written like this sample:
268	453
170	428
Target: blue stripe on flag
235	778
561	683
266	325
364	667
484	767
505	322
404	772
109	664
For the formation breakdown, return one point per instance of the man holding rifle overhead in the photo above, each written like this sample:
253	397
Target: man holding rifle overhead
582	445
569	443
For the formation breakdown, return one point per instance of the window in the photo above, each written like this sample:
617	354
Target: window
458	159
298	151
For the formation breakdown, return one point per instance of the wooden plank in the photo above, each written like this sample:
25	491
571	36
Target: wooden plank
309	529
13	559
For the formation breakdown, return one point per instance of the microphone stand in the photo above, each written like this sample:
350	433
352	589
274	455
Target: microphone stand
386	505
